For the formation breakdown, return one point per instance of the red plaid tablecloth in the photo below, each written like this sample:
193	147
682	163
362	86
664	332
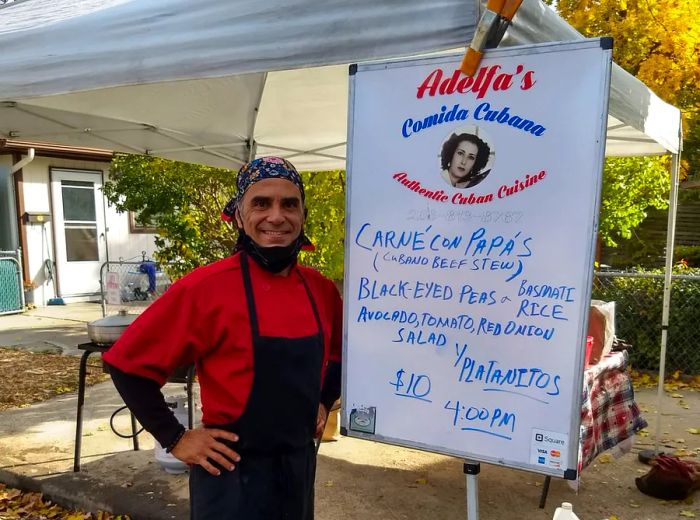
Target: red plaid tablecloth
609	413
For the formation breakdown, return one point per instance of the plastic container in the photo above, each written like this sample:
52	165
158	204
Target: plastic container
565	512
589	349
170	463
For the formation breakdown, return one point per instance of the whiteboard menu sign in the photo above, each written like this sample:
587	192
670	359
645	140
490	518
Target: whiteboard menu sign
472	211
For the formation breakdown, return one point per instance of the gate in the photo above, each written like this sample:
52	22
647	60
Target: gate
131	286
11	288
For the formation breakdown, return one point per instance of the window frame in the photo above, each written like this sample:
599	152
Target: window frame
138	229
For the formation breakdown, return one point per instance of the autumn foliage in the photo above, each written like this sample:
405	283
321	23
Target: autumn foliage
14	504
658	41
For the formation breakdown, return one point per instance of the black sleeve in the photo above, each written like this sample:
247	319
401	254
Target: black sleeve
331	385
145	400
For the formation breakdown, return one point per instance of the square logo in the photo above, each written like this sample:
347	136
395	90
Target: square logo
548	448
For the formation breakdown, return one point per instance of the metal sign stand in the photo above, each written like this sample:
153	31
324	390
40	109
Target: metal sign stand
471	470
489	32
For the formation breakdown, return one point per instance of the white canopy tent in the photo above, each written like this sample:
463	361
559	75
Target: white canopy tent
206	82
217	82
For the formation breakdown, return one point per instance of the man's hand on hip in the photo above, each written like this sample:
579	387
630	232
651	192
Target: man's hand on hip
201	444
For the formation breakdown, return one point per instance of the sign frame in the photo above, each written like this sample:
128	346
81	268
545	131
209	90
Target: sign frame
570	471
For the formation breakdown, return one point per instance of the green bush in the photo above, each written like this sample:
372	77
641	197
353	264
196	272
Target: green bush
325	223
638	312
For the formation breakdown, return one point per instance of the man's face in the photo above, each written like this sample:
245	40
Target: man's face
272	213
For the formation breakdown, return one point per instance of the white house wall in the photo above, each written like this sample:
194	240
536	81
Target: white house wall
120	242
35	187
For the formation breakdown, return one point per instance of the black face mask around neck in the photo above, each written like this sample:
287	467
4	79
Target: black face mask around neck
273	259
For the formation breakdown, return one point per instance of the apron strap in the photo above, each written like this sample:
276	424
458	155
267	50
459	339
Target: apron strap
251	299
313	303
249	295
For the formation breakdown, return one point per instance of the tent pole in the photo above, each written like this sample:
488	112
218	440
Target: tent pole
253	150
670	235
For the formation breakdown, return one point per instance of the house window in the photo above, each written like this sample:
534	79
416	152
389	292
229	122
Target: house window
80	221
136	227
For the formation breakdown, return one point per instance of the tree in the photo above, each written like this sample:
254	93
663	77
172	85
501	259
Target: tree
658	41
630	186
325	224
184	202
181	200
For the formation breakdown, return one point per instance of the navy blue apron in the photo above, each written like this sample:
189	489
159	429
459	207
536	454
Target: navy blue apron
275	476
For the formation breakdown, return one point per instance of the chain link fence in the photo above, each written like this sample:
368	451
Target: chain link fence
11	286
131	286
638	301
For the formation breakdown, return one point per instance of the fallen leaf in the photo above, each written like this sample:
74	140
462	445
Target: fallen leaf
14	504
677	396
51	374
422	481
694	431
35	371
329	483
687	513
605	458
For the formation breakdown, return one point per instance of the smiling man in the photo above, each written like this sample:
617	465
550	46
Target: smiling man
265	336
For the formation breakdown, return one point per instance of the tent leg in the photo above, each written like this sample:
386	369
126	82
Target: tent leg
670	236
472	470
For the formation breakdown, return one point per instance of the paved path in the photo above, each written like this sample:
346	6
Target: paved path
56	328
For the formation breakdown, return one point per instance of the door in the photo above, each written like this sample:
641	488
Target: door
79	230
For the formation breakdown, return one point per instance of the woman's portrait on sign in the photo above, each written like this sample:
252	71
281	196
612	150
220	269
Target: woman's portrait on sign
465	159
